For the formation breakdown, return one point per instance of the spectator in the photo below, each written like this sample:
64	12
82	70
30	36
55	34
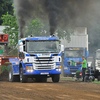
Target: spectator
84	66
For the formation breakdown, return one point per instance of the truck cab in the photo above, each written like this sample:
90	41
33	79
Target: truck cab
39	58
73	55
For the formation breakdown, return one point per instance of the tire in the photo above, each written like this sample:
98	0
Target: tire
13	78
86	78
23	78
56	78
98	78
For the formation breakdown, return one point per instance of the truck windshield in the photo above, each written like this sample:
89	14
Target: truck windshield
98	55
42	46
74	53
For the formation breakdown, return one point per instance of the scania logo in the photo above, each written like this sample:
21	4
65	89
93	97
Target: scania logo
74	59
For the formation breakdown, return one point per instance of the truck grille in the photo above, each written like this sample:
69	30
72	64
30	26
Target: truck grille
44	63
72	71
69	63
74	68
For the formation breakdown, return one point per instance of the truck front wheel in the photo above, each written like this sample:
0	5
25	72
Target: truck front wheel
56	78
23	78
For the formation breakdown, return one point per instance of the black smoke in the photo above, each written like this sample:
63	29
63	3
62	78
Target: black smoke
62	13
24	10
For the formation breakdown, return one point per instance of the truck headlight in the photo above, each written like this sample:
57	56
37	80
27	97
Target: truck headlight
29	69
59	69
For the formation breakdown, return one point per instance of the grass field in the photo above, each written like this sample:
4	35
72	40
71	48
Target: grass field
69	79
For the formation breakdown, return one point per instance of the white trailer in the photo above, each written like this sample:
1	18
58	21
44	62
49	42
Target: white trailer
78	39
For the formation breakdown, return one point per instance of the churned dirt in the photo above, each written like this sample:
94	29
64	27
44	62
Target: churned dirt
64	90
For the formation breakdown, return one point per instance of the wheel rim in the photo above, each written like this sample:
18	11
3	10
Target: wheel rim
20	75
10	75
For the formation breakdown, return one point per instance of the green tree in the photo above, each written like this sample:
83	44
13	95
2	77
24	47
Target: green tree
10	21
5	6
35	28
63	33
39	28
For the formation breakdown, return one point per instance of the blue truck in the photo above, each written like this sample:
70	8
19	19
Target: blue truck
72	55
39	58
74	50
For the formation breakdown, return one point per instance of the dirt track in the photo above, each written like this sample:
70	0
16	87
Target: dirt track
64	90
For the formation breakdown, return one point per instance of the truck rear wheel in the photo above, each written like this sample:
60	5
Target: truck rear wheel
23	78
13	78
56	78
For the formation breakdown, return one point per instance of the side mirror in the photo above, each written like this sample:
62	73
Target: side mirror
87	53
21	47
62	48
